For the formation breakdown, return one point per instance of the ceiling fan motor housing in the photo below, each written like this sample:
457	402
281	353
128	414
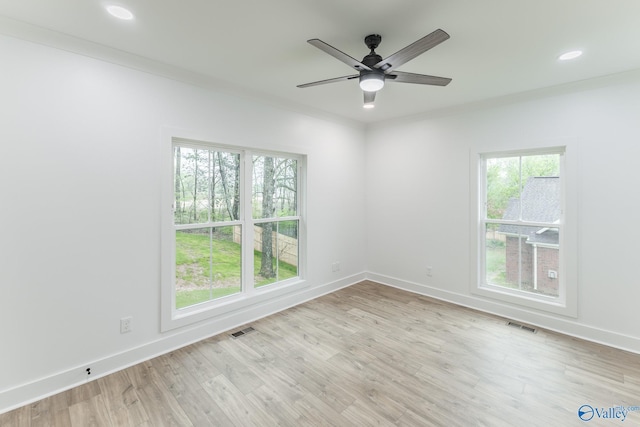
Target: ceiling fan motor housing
372	41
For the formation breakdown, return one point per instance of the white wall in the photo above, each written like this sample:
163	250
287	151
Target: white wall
79	180
418	196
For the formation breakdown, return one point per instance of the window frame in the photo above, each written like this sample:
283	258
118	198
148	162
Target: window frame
249	295
566	303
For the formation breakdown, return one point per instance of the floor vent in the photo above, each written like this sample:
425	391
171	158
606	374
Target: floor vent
521	326
242	332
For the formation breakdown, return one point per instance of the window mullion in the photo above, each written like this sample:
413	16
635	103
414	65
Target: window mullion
206	225
520	263
275	219
524	223
520	186
248	237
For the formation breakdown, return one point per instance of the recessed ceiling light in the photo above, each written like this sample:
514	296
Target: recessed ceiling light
570	55
120	12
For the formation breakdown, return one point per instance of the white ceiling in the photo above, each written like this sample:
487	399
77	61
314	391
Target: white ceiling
497	47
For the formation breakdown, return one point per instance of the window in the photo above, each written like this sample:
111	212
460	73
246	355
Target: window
235	228
275	218
208	230
522	223
521	240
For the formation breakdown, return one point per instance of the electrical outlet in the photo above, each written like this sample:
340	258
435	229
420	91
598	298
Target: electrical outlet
125	324
429	271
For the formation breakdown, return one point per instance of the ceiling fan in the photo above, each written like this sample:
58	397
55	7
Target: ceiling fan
373	70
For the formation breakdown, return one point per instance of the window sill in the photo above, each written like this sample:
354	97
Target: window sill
227	305
556	305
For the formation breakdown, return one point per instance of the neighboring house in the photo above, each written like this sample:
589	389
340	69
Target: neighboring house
538	246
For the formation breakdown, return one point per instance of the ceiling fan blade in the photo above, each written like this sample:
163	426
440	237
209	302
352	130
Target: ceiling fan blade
369	97
341	56
334	80
421	79
414	49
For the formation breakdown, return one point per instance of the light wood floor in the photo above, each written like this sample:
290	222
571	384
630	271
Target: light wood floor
365	355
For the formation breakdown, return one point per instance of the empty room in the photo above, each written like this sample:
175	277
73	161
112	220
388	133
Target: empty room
412	213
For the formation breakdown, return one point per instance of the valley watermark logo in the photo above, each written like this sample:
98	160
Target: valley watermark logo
619	412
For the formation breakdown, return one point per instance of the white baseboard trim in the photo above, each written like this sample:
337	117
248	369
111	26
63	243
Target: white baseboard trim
558	324
27	393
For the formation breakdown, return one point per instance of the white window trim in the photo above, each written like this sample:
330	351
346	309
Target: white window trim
172	318
566	303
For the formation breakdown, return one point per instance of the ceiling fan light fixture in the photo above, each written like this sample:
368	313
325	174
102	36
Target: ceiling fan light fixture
368	105
371	82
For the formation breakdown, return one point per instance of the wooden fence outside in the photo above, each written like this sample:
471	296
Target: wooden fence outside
286	247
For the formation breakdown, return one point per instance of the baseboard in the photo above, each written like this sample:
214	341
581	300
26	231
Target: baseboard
558	324
55	383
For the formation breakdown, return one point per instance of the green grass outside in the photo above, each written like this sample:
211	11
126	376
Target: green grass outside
196	296
192	257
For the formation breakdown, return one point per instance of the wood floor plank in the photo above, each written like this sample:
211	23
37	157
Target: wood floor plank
359	413
46	418
269	400
309	372
296	331
83	392
194	361
20	417
364	355
231	400
52	411
122	400
411	419
91	412
177	371
317	413
264	361
159	404
240	374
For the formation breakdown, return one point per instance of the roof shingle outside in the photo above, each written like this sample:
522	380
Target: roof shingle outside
540	203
